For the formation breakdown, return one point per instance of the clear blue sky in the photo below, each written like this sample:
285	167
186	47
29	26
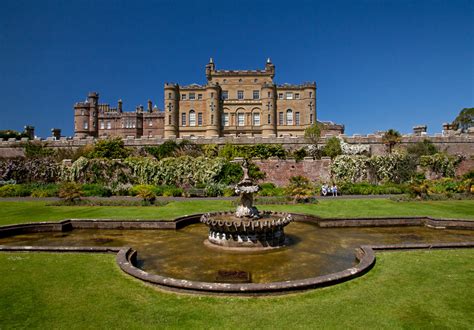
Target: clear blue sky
378	64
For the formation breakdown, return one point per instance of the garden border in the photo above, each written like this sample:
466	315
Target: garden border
126	256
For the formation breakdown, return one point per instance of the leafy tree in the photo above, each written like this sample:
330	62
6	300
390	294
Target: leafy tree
313	133
422	148
109	148
465	119
70	192
333	147
391	138
300	189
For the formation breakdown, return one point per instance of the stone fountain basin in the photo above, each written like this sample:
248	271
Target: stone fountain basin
227	220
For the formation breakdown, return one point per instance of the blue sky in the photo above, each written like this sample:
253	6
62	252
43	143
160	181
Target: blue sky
378	64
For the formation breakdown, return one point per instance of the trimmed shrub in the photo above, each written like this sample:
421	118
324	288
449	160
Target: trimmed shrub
93	189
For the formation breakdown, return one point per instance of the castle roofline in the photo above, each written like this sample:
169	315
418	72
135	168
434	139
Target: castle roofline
297	86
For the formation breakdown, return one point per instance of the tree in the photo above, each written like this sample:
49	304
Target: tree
391	138
422	148
464	120
109	148
70	192
333	147
300	188
313	133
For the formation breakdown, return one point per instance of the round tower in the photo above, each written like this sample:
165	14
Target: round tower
93	100
268	110
309	95
171	110
213	112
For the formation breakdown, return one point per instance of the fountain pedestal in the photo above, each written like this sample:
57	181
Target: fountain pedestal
247	227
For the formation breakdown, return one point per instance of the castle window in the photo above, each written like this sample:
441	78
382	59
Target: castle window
192	96
86	125
109	124
289	96
280	118
240	80
310	118
225	95
212	95
150	122
310	94
297	96
255	80
297	118
169	120
269	121
256	119
101	123
240	119
256	95
212	119
269	94
169	95
183	119
192	118
199	96
225	119
240	95
280	96
199	118
183	96
289	117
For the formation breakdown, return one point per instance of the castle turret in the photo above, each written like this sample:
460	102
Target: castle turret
120	106
149	107
93	100
270	68
171	110
210	67
310	103
213	114
268	109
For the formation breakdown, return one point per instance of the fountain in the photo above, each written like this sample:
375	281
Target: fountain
246	228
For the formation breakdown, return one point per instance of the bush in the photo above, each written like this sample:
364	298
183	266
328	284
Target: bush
14	190
215	189
70	192
146	193
44	190
364	188
113	148
38	170
92	189
171	191
300	189
332	148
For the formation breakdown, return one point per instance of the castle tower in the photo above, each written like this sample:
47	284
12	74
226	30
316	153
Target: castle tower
268	110
310	103
171	110
213	119
270	68
210	68
93	99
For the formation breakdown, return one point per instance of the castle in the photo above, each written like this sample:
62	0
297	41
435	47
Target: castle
231	103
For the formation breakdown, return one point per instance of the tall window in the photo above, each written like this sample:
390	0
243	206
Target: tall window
225	95
310	94
169	120
192	118
297	118
240	95
212	119
240	119
256	119
101	123
199	118
269	119
183	96
280	118
297	96
280	96
183	119
269	94
86	125
199	96
310	118
169	95
192	96
150	122
289	117
109	124
289	96
256	95
225	119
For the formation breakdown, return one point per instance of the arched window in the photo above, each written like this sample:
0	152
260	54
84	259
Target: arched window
192	118
256	119
240	119
289	117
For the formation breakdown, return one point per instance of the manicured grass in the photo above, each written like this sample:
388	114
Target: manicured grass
415	289
28	211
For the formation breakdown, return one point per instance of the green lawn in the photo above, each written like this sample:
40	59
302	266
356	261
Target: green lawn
27	211
414	289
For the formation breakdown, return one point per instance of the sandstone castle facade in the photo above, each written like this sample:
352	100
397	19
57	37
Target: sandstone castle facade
231	103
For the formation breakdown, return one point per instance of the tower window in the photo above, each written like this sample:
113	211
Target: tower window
240	119
212	119
86	125
150	122
256	95
169	120
240	95
269	119
269	94
310	94
311	118
169	95
192	118
199	118
297	118
183	119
